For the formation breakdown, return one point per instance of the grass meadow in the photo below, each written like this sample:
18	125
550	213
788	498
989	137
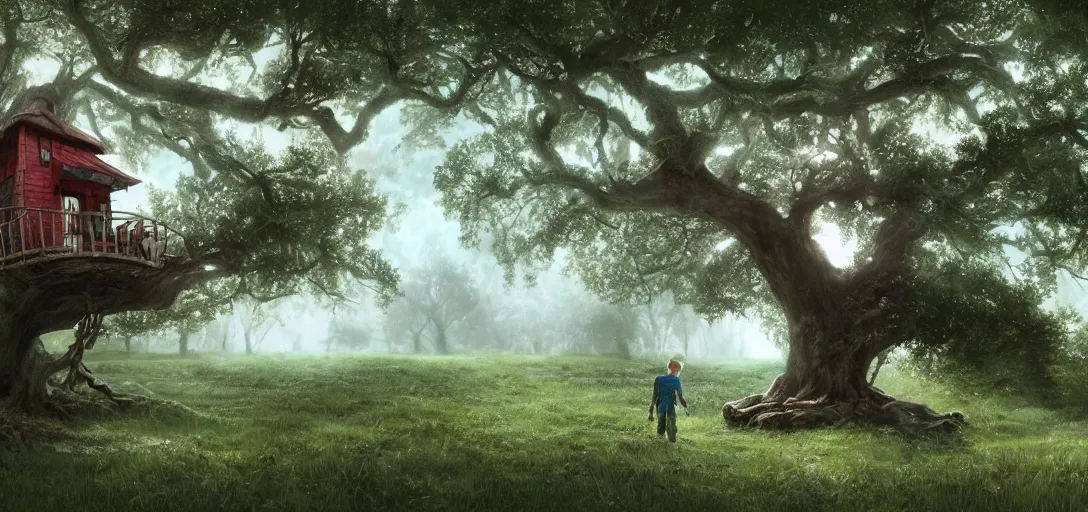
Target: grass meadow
366	432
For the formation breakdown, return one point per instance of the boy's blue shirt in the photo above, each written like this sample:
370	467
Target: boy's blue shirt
667	391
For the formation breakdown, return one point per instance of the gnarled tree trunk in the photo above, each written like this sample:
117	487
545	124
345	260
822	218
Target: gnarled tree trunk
838	322
837	327
825	383
25	376
56	294
26	380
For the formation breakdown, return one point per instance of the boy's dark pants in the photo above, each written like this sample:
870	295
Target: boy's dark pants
666	421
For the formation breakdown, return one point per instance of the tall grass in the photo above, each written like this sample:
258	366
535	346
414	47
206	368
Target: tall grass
517	433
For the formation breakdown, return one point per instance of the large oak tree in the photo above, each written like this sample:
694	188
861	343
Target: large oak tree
443	293
702	143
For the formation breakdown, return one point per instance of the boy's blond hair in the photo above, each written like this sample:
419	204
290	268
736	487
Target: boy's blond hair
673	363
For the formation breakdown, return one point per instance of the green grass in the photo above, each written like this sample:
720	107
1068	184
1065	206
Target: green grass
516	433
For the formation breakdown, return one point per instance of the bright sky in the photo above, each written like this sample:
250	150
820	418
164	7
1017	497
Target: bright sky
839	251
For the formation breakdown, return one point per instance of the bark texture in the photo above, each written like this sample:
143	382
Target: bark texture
838	322
825	384
838	325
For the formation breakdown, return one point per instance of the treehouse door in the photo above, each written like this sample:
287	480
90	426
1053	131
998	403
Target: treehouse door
71	222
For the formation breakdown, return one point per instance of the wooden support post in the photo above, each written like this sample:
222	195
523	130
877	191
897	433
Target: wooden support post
22	237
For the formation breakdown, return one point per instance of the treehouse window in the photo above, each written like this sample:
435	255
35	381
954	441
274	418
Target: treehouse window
46	147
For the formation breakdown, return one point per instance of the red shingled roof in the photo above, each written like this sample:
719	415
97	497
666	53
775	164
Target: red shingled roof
40	115
73	158
74	162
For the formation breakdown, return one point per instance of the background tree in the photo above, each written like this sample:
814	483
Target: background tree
443	293
257	321
296	340
403	319
347	335
127	326
688	326
658	317
192	311
479	329
219	332
611	330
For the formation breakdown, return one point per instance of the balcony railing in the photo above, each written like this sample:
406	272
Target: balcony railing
28	234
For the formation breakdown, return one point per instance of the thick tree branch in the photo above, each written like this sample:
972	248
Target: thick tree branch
812	198
829	97
127	74
669	133
622	195
571	92
894	238
344	140
7	51
202	150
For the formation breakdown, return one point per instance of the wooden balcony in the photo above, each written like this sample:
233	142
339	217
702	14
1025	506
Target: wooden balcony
35	234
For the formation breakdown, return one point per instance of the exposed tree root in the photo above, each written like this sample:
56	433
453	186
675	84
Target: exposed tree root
35	388
766	411
86	335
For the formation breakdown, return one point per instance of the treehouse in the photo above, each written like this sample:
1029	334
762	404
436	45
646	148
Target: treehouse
55	196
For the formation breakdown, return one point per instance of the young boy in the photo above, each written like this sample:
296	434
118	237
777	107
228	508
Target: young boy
667	389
